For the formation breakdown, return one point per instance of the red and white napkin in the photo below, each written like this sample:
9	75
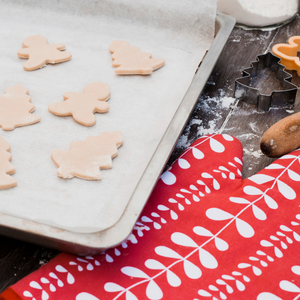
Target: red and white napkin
204	234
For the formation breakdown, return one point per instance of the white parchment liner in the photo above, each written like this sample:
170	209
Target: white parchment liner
141	107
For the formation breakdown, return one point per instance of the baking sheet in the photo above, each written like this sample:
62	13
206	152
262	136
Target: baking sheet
95	243
140	106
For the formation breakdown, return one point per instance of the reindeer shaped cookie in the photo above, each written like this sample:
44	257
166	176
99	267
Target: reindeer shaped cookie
6	168
83	106
39	52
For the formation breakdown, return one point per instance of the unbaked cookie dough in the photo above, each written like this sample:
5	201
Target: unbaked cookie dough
6	168
83	106
39	53
15	108
86	158
130	60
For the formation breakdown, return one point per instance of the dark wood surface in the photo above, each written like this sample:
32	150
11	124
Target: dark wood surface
215	112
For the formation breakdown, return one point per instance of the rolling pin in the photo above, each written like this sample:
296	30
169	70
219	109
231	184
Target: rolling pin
282	137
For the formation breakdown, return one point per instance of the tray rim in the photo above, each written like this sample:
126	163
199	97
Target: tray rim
81	243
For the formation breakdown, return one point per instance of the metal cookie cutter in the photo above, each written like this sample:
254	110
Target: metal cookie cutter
288	53
281	98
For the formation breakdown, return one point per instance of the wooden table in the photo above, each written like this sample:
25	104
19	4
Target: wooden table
215	112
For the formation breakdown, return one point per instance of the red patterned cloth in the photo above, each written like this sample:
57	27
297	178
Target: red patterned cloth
204	234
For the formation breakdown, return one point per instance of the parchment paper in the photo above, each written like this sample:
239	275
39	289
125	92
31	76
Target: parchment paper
141	107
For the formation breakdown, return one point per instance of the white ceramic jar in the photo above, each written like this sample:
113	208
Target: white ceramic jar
260	13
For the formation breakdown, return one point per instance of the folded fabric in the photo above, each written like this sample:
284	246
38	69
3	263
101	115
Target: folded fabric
204	234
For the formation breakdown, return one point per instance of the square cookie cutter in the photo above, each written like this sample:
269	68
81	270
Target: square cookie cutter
278	98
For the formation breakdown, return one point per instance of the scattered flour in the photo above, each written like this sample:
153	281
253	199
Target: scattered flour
227	102
247	136
254	127
256	154
211	108
259	13
236	40
289	111
182	142
239	93
196	121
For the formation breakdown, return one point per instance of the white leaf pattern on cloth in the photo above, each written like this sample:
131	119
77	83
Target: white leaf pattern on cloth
216	146
153	291
289	286
204	293
261	178
70	277
227	137
270	202
130	296
191	270
244	228
134	272
167	252
288	156
252	191
35	285
259	213
154	264
168	178
183	240
293	175
183	163
267	296
239	200
207	260
113	287
202	231
221	244
198	154
296	270
86	296
217	214
173	279
286	190
274	166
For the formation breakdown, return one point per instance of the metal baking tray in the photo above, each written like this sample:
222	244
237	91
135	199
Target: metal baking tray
94	243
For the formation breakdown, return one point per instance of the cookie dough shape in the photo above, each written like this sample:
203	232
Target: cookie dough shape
83	106
6	168
130	60
39	53
15	108
86	158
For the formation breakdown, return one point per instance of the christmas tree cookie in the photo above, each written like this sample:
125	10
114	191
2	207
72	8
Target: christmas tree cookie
83	106
86	158
130	60
39	52
15	108
6	168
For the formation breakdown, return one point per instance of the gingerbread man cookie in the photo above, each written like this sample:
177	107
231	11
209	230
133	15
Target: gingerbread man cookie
39	52
15	108
83	106
86	158
6	168
130	60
